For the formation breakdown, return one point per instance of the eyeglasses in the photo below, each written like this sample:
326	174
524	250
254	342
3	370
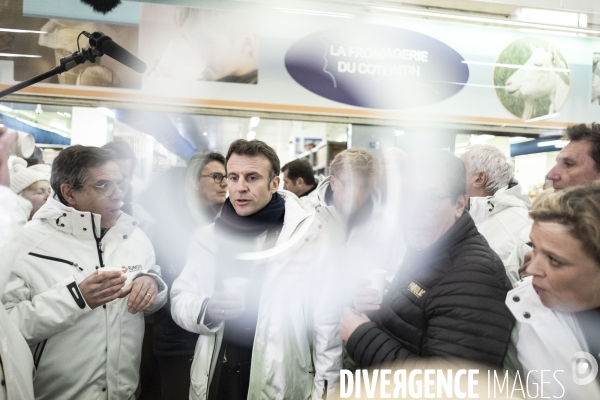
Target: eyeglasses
217	177
109	188
428	202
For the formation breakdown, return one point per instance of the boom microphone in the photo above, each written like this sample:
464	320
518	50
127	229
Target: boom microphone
107	46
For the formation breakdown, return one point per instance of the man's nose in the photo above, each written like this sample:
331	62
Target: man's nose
118	194
553	174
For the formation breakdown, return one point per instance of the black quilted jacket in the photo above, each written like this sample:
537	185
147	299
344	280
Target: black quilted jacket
446	301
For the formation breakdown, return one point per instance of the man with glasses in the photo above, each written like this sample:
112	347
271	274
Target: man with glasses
84	278
448	298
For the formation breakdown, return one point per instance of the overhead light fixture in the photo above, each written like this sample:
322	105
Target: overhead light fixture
64	114
5	108
559	144
543	117
205	133
38	109
254	121
487	20
480	139
251	135
30	123
315	12
550	17
21	31
19	55
398	132
106	112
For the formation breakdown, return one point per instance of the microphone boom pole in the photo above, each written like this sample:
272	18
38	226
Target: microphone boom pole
80	57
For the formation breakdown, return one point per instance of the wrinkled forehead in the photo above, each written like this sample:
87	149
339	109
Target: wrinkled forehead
576	150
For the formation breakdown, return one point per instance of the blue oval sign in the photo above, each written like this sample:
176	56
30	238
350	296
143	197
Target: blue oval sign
377	66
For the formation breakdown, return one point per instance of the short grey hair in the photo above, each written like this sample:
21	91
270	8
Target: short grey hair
71	166
489	159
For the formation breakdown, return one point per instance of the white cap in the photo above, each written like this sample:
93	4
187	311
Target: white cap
22	177
44	169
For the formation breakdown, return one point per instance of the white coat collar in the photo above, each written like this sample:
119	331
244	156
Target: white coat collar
80	224
482	208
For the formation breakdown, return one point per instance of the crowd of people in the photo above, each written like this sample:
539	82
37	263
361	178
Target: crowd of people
215	283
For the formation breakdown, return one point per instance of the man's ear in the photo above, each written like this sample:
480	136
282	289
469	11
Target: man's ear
66	191
274	184
299	181
332	182
459	208
481	180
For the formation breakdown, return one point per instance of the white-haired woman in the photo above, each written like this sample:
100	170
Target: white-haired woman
558	306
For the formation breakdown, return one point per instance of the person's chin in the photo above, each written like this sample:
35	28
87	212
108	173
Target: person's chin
244	210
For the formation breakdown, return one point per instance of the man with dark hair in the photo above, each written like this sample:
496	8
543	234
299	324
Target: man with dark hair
84	278
269	337
578	163
299	178
429	309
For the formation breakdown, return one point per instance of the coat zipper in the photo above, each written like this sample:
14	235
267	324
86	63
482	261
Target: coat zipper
98	242
74	264
37	357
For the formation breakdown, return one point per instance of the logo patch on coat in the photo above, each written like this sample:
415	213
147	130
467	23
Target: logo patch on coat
416	289
133	268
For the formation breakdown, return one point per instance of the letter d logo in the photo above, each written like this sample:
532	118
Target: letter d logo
584	368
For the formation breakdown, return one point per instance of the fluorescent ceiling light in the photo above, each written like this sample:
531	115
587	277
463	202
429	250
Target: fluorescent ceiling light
21	31
398	132
516	66
315	12
205	133
551	17
556	143
106	111
5	108
251	135
254	121
19	55
543	117
64	114
30	123
486	20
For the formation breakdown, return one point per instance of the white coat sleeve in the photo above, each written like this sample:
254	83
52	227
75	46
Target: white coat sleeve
45	314
152	270
327	344
192	291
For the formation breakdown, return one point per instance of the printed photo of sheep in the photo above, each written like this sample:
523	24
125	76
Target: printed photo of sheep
596	79
532	78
